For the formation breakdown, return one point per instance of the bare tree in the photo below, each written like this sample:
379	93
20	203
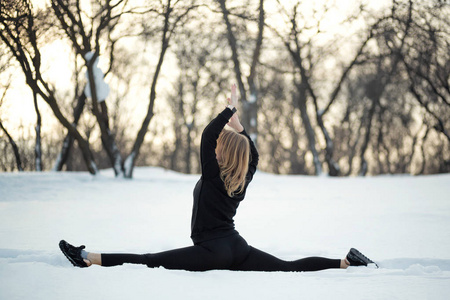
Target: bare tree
38	147
396	35
184	126
427	61
300	51
20	34
14	146
380	115
86	39
173	13
68	140
383	109
280	137
10	139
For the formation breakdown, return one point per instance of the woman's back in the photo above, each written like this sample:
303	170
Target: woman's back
214	208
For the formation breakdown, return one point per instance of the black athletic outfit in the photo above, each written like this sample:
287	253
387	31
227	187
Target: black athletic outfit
217	245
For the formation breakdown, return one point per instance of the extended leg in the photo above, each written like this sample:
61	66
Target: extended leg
193	258
117	259
258	260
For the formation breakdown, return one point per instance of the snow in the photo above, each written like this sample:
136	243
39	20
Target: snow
101	86
401	222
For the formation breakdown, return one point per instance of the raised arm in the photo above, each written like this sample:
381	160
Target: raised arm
254	157
210	166
232	102
236	125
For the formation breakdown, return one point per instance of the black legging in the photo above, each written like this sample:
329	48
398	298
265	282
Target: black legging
229	253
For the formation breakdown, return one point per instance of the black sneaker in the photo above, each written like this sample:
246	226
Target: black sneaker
73	254
356	258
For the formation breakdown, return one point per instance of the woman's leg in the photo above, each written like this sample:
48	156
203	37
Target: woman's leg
206	256
194	258
117	259
227	253
110	260
258	260
93	258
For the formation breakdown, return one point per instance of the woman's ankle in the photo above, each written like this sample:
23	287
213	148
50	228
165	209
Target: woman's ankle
344	263
94	258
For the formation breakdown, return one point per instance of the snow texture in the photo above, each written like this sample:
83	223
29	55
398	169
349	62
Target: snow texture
401	222
101	86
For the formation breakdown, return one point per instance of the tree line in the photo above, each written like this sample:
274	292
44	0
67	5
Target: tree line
367	95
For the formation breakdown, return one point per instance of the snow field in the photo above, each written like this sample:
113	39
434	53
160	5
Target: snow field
401	222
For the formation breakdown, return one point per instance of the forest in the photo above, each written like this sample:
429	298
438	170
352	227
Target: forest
334	87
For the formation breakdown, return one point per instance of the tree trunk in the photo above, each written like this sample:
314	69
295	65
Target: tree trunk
107	137
363	167
189	126
413	150
82	143
252	105
37	147
68	140
311	135
178	112
132	157
236	62
249	106
296	166
422	148
333	167
14	146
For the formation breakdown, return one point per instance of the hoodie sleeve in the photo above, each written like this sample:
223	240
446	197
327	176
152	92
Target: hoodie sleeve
254	157
210	166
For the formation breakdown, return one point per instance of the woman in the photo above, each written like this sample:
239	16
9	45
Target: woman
228	160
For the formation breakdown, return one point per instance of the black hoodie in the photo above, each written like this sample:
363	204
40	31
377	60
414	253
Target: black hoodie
213	211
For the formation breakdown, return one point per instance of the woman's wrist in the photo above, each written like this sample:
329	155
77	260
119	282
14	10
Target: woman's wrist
232	108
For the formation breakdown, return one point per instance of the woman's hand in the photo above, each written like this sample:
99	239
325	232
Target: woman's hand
234	99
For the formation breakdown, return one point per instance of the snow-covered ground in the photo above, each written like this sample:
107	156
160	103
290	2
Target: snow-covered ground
401	222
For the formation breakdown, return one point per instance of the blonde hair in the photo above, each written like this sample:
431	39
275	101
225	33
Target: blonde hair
234	152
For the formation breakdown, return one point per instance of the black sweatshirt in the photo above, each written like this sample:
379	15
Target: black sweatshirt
213	211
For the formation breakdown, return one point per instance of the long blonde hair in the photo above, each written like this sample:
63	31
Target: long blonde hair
233	150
